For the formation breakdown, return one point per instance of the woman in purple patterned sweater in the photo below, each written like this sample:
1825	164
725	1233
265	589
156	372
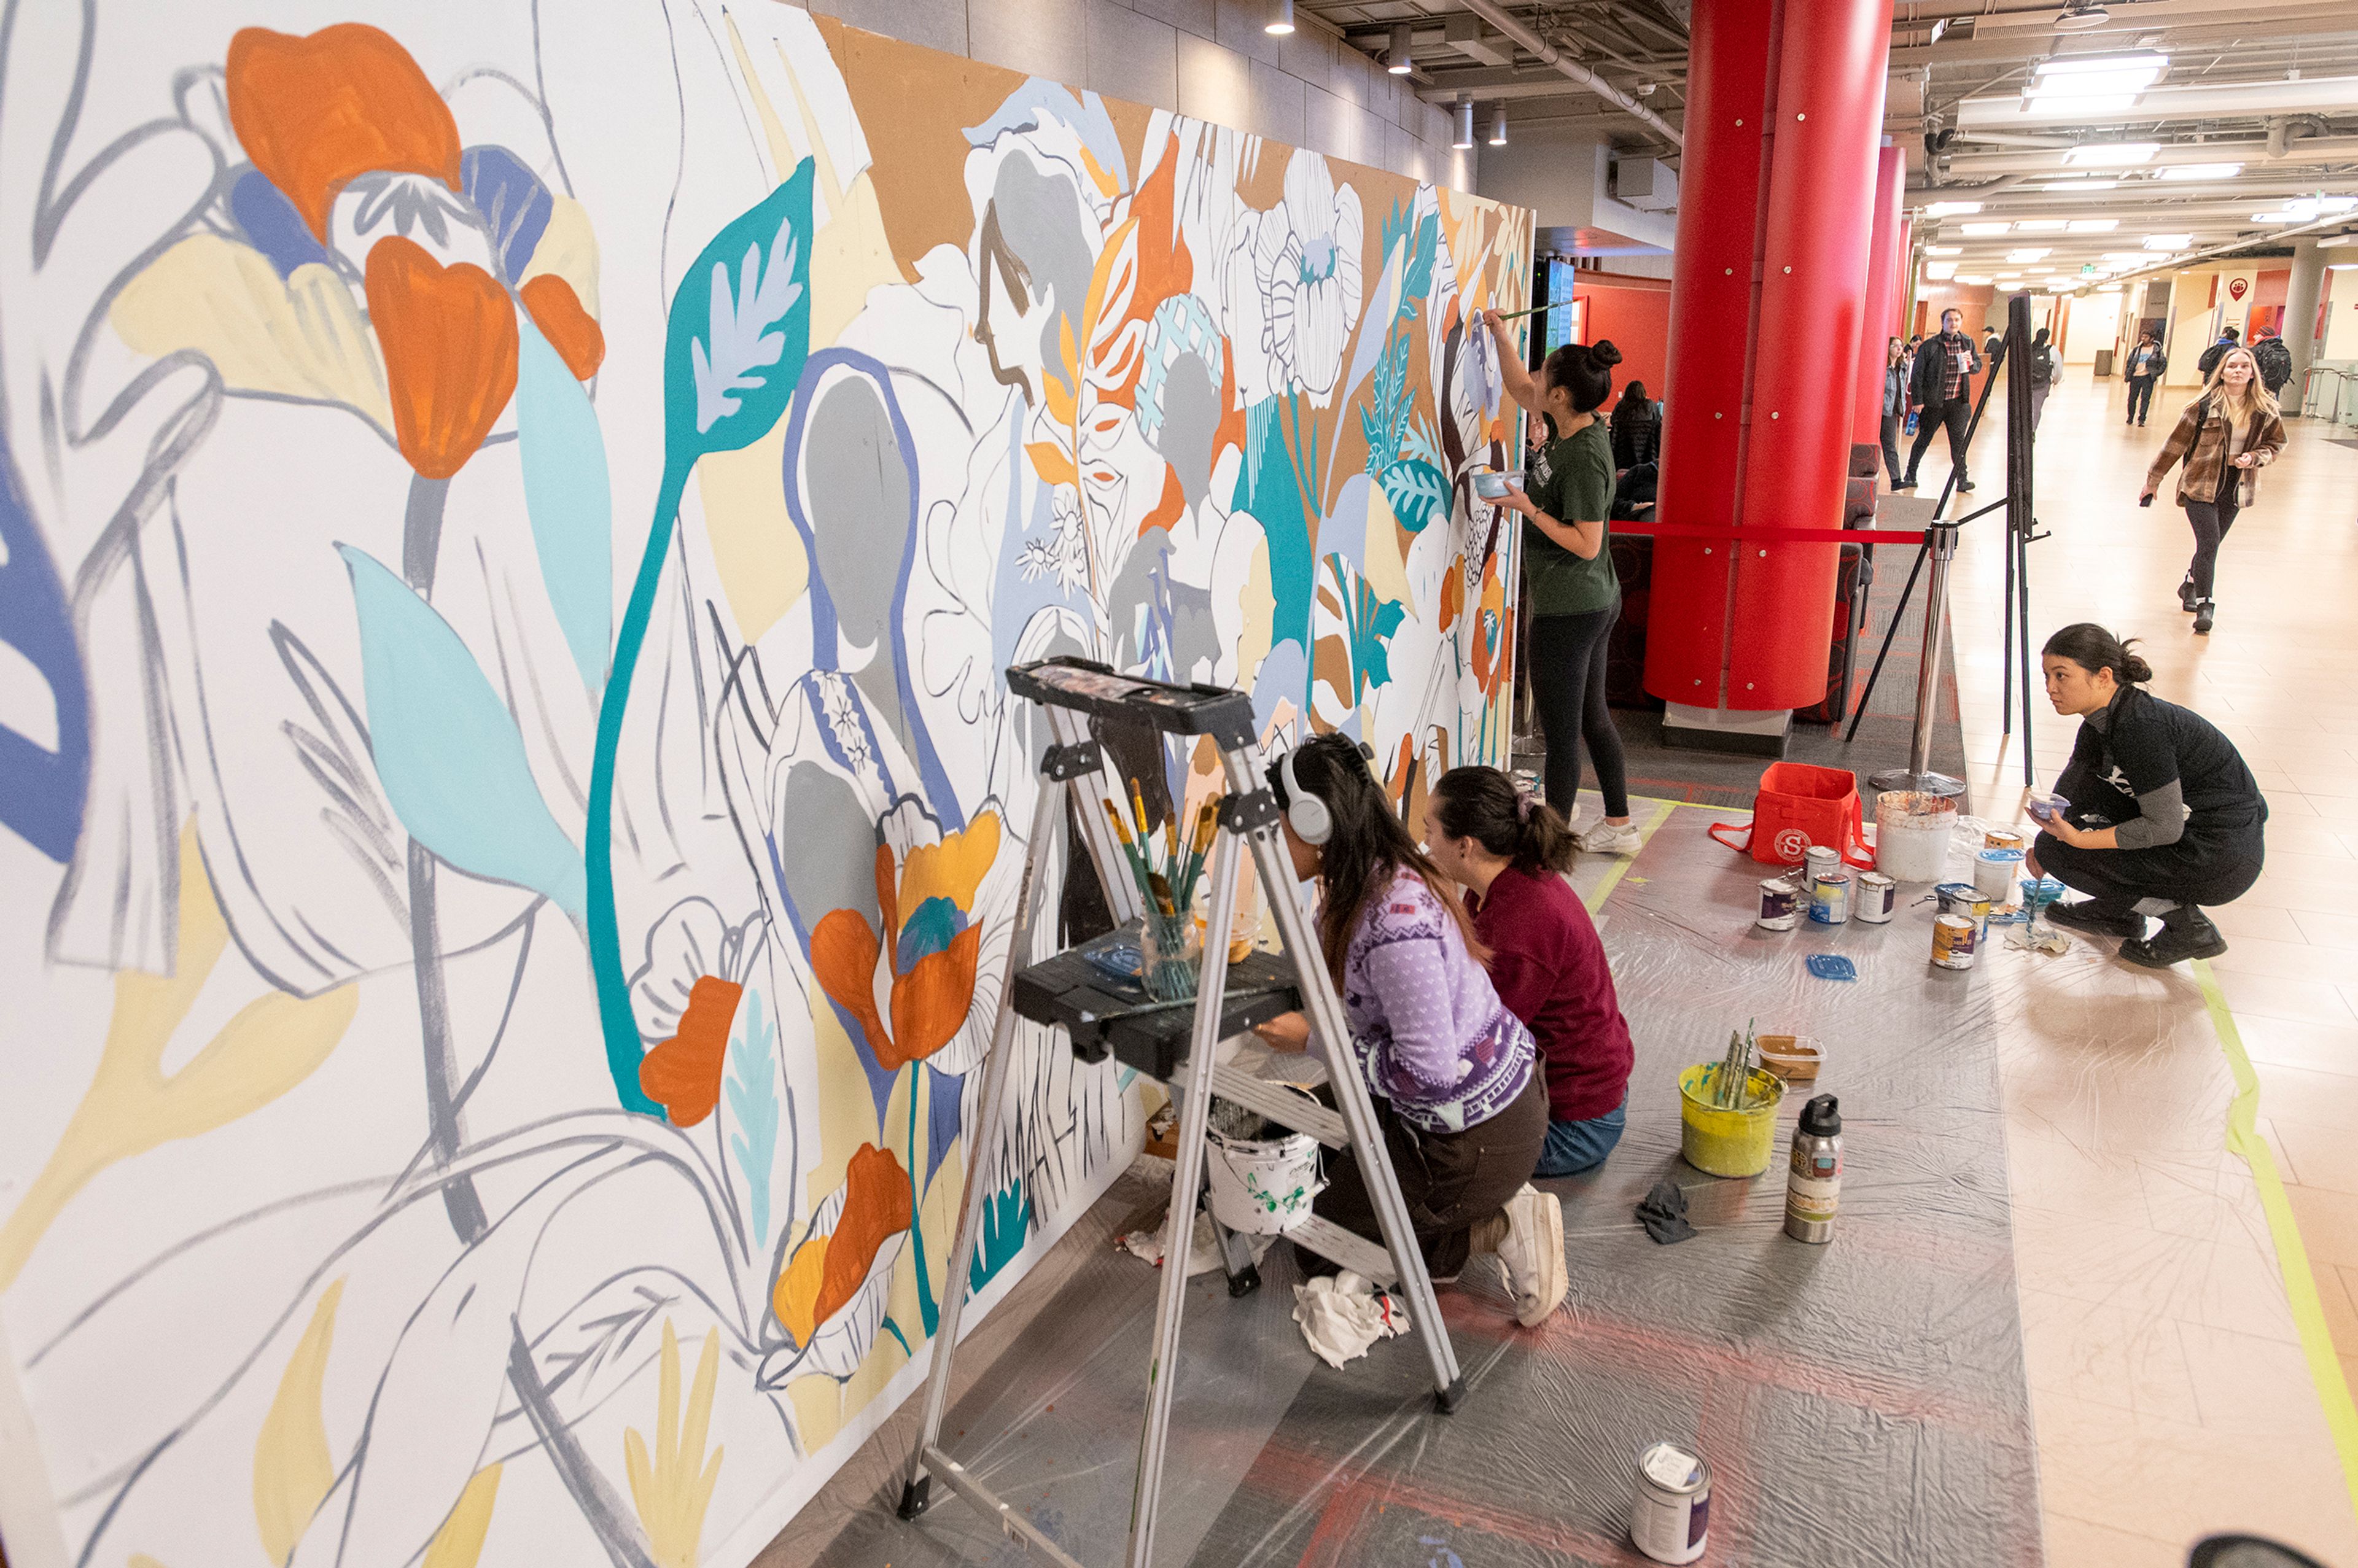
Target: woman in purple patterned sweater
1457	1090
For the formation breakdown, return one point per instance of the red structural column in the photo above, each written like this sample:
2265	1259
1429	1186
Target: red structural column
1874	332
1784	124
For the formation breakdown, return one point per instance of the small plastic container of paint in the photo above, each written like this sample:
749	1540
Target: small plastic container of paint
1876	897
1994	873
2045	807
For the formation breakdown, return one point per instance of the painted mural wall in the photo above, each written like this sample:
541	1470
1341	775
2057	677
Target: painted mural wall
513	521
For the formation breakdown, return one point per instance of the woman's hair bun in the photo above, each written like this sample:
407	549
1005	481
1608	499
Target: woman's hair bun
1604	353
2137	671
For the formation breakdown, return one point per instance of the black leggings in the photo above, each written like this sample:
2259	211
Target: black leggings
2205	869
1568	683
2210	520
2140	398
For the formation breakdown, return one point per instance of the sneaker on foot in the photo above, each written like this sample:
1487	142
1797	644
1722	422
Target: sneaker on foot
1609	838
1965	486
2092	917
1533	1254
2206	614
2185	934
2185	598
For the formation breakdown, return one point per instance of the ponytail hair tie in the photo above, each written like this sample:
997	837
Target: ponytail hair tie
1523	802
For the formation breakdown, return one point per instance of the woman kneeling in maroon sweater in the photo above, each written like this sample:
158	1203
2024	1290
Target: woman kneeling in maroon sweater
1509	850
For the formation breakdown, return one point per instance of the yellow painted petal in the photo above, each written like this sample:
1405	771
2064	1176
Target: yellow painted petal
794	1298
460	1542
292	1468
300	337
567	249
756	551
1386	570
952	868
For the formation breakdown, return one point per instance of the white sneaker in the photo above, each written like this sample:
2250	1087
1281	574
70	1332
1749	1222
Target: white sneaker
1609	838
1533	1254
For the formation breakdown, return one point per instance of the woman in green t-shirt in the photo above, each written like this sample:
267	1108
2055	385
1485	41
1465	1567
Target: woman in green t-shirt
1574	595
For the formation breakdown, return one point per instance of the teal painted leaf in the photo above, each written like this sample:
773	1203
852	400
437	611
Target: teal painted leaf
567	496
446	750
739	327
1418	493
1006	1227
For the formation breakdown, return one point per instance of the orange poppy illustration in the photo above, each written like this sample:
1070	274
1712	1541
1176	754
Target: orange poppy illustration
829	1298
928	946
683	1074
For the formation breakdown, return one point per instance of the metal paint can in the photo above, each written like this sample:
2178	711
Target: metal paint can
1829	898
1817	860
1964	898
1953	941
2002	838
1781	905
1877	896
1670	1518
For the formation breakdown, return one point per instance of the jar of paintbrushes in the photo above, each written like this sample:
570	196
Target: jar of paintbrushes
1168	867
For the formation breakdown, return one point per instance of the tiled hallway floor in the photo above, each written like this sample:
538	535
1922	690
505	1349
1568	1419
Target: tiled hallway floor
2170	1388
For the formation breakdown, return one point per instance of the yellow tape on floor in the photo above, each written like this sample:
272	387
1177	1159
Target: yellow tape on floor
2292	1257
1613	878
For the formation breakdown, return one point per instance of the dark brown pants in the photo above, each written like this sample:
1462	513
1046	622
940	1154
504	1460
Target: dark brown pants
1451	1180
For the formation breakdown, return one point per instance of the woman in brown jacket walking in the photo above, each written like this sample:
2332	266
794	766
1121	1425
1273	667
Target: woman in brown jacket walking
2224	438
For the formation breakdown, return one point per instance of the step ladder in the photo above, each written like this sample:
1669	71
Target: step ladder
1172	1044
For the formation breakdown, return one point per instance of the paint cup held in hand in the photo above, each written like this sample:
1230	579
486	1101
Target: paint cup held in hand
2046	806
1492	485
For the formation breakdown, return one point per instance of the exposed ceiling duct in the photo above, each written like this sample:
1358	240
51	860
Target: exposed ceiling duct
1549	55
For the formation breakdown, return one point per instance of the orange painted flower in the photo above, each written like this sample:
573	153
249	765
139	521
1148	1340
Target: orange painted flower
683	1074
449	339
835	1259
313	113
572	332
1493	633
928	945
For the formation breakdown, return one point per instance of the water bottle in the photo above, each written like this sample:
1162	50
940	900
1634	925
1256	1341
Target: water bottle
1814	1182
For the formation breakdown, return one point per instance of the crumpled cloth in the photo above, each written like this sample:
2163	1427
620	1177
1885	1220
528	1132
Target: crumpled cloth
1341	1317
1664	1213
2038	936
1203	1248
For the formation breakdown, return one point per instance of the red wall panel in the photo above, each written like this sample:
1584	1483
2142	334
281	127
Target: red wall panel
1636	314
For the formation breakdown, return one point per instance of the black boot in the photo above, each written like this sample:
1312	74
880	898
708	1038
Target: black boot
2097	918
2186	932
2186	598
2205	613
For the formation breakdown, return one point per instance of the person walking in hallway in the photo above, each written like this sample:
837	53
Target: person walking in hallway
1574	593
2221	441
2046	364
2161	814
1942	387
2274	356
2230	338
1895	406
2147	365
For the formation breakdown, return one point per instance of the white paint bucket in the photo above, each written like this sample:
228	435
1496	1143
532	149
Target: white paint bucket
1911	835
1262	1186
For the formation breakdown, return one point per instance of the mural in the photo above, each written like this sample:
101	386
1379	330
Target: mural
509	530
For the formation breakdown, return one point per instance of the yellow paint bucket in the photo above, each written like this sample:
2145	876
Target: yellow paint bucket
1724	1142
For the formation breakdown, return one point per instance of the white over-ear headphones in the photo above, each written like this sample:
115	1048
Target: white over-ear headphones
1304	812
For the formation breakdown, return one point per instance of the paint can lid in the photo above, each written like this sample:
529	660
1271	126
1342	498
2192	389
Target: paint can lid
1672	1468
1822	1117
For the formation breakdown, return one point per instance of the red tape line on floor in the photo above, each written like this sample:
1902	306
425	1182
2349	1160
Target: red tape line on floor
1773	535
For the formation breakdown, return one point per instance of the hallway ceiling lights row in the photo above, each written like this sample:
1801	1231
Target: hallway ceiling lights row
2094	84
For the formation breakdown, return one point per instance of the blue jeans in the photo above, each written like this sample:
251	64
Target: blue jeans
1573	1147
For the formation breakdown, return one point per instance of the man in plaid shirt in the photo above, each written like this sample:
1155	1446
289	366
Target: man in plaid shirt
1943	390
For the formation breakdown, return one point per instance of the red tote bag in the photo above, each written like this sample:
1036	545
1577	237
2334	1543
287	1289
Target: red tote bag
1800	807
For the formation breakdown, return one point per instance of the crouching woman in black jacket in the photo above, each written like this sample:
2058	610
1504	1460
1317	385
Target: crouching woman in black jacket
2164	816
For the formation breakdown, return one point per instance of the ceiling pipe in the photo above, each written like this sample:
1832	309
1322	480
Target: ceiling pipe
1551	56
2180	264
2282	132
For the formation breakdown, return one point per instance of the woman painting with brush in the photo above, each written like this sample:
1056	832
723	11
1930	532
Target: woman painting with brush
1457	1090
2162	816
1510	852
1575	596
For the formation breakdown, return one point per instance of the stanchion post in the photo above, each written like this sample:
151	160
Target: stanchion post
1940	548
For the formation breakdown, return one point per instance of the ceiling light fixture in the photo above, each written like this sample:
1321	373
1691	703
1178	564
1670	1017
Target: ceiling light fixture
1980	230
2202	171
2111	155
2078	17
1395	59
2040	225
1950	209
2040	254
1464	137
2092	225
2167	242
1280	17
1944	250
1499	126
2088	81
2073	186
1939	271
1973	282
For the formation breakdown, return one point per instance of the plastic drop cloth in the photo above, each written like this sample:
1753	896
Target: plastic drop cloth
1861	1404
